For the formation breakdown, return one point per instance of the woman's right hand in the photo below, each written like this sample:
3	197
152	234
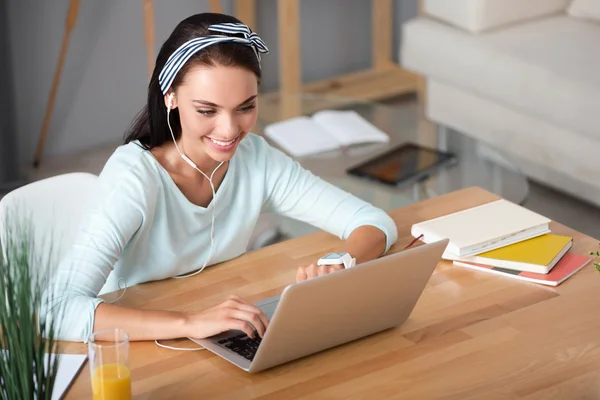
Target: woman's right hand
234	313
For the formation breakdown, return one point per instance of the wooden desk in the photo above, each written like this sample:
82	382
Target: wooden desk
471	335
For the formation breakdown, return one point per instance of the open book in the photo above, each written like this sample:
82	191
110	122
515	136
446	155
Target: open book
324	131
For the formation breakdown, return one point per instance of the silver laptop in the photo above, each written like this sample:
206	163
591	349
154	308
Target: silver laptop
330	310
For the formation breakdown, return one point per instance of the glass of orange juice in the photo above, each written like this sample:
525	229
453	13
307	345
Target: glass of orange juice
109	365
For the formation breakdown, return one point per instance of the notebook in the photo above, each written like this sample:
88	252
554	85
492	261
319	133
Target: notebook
483	228
324	131
568	265
69	366
538	255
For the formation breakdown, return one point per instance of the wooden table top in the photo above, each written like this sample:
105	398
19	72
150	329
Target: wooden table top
471	335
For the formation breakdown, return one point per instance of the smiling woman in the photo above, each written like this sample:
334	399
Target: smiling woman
187	187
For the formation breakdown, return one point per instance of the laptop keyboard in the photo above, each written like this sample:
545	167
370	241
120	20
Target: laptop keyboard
242	345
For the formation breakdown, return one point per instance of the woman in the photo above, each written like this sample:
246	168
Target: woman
187	187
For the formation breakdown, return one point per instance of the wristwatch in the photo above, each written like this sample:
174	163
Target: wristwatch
336	259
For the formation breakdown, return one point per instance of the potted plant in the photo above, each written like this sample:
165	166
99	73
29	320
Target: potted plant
26	369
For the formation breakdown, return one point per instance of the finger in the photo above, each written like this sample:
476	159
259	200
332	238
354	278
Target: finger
301	274
323	270
264	320
234	297
251	318
243	326
312	271
333	268
242	304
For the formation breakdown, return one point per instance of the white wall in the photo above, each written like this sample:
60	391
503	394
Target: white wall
104	79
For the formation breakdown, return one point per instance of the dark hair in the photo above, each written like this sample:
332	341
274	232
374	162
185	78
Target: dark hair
150	125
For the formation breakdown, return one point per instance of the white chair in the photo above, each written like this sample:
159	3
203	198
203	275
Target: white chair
52	209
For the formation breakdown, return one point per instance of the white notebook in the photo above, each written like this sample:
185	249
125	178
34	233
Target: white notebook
324	131
69	366
482	228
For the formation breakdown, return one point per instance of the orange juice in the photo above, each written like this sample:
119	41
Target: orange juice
111	381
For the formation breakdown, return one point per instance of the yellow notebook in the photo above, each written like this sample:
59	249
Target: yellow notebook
538	255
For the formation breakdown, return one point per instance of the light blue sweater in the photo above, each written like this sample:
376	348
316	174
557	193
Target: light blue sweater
142	228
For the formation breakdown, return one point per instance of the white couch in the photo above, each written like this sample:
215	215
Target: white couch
522	75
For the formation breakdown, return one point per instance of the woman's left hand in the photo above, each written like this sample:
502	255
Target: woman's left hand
314	270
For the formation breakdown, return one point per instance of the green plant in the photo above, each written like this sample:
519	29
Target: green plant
596	255
26	371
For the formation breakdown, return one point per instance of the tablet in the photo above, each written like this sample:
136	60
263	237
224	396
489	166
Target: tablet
404	164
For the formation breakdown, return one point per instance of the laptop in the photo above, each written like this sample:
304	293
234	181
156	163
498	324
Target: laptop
323	312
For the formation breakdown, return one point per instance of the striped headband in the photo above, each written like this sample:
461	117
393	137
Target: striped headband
188	49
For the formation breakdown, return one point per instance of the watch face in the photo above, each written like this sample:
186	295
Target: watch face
333	256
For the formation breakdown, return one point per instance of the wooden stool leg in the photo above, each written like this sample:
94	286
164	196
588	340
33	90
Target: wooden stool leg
70	24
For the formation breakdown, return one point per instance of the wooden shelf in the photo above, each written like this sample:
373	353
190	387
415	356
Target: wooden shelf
370	84
384	80
366	85
373	84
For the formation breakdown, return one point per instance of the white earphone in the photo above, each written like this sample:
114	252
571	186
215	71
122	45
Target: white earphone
191	163
212	226
186	158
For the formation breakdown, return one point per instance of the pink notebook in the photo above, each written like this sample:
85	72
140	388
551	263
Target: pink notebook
568	265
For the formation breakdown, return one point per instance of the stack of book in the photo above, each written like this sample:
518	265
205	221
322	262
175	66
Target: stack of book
506	239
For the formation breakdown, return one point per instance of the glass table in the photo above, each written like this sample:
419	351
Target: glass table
478	164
